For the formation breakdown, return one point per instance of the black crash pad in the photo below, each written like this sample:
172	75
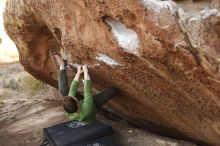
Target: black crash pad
73	133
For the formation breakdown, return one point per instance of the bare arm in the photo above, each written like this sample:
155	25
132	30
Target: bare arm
87	84
86	74
74	84
88	104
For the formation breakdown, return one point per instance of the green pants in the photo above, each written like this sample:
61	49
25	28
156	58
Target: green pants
99	99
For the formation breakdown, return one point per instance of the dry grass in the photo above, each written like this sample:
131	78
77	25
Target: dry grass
1	100
31	84
38	89
16	83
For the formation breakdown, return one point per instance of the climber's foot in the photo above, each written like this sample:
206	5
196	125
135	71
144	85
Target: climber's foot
59	60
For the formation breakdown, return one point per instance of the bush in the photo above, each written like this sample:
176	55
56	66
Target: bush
12	84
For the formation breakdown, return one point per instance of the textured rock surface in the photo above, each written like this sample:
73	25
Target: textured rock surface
164	60
217	3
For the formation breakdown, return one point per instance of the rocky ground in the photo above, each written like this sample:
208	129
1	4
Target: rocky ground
28	105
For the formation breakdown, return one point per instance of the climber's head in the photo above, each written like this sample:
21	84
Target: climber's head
70	104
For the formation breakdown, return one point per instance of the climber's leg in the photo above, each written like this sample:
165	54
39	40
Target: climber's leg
62	76
101	98
63	82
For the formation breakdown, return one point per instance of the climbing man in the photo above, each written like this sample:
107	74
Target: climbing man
78	108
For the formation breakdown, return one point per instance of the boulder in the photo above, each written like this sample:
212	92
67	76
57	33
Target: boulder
164	59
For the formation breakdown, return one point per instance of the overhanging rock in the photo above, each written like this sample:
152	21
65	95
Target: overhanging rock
164	60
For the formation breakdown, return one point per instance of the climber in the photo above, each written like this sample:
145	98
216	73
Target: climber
77	108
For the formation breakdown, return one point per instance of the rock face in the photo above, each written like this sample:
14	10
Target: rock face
164	59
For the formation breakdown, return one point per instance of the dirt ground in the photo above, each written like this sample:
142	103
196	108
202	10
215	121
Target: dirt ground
23	114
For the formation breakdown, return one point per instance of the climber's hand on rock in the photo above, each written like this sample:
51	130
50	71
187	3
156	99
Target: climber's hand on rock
86	74
85	69
79	70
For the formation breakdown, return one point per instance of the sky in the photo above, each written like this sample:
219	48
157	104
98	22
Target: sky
8	50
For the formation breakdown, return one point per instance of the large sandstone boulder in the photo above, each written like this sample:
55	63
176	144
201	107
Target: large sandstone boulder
164	59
